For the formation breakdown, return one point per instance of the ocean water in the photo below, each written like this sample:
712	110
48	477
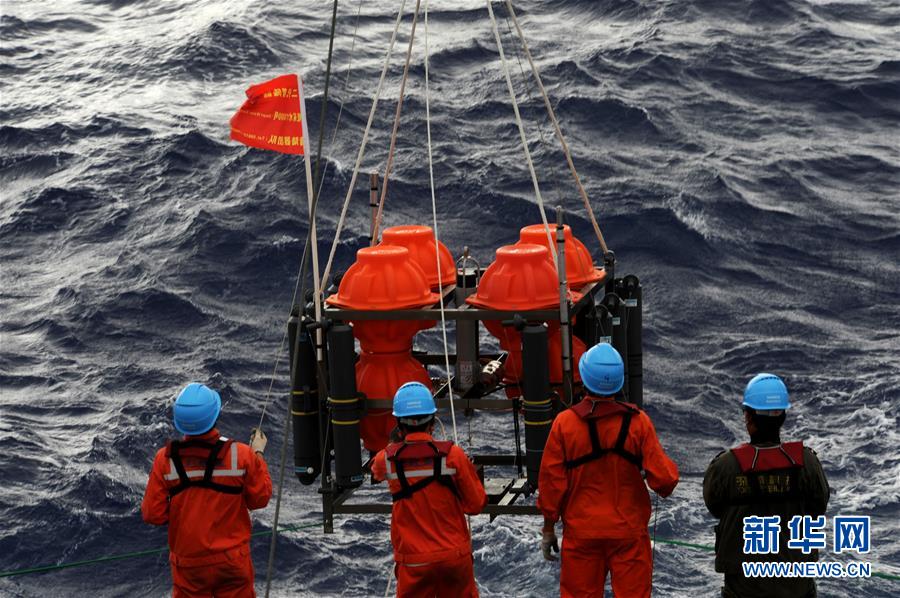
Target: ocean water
742	158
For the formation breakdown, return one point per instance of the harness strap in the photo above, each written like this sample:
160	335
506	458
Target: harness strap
597	451
407	489
184	482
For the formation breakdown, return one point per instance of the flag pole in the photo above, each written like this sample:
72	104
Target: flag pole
317	299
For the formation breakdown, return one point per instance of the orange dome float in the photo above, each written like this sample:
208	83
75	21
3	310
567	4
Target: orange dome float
523	278
580	268
384	278
419	241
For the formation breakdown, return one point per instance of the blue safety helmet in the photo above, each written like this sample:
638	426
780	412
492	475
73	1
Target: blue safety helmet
602	370
413	403
766	393
196	409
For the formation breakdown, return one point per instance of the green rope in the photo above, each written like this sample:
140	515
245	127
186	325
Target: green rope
290	528
129	555
687	544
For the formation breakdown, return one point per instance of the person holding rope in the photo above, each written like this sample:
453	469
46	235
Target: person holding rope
764	478
591	477
434	486
204	487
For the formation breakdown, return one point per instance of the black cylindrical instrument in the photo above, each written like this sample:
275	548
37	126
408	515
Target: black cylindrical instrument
304	402
535	397
634	306
346	406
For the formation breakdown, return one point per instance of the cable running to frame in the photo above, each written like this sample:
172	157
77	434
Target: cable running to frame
324	110
343	95
557	130
528	160
396	127
538	122
362	148
301	271
310	244
437	252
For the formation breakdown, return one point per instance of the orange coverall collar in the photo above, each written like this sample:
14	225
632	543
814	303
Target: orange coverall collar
418	437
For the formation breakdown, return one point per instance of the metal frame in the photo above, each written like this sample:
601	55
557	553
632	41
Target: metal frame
503	493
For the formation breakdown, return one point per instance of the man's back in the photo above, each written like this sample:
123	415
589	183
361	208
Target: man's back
605	497
725	491
430	524
204	521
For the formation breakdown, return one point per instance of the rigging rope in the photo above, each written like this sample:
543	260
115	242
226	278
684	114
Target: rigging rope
387	589
299	284
362	148
324	111
653	553
390	158
301	277
538	120
556	128
270	566
437	252
515	104
343	95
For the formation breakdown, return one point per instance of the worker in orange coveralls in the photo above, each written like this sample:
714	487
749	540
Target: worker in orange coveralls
204	487
433	485
591	477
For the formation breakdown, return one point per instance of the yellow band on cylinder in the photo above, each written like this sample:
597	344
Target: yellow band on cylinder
546	402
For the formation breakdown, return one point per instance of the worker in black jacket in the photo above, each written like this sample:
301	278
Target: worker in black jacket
763	478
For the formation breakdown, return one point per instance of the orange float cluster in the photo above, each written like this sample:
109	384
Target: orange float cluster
403	272
397	274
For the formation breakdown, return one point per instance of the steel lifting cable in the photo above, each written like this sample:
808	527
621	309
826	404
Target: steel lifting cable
299	284
396	127
556	128
324	109
515	104
362	148
341	107
437	251
538	122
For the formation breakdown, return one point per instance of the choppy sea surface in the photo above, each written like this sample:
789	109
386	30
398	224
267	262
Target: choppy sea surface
742	157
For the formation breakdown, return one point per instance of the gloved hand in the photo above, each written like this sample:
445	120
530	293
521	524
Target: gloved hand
548	543
258	440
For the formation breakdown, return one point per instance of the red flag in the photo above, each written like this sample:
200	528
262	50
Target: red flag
271	117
